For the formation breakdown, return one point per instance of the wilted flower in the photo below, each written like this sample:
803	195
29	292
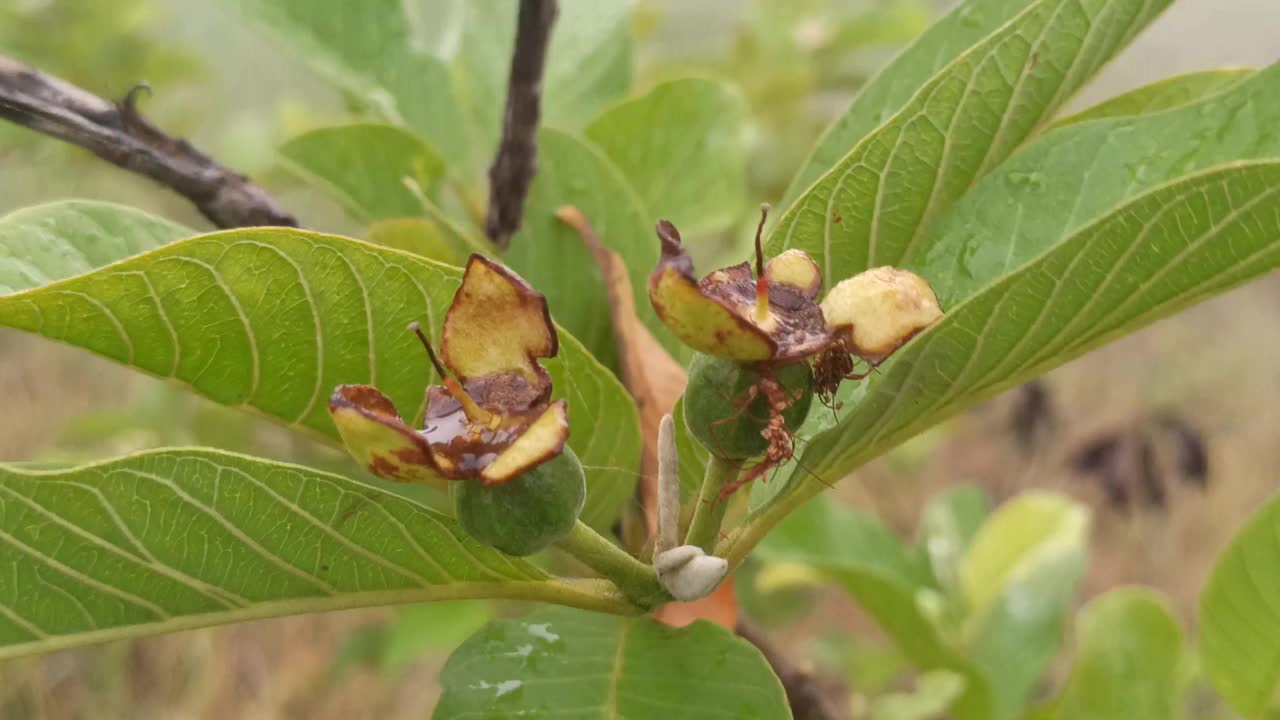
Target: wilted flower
771	316
773	345
492	418
774	316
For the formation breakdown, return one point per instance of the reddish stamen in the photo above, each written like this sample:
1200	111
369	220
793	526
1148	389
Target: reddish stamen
474	412
762	283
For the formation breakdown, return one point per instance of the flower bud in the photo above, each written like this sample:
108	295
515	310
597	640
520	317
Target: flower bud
688	573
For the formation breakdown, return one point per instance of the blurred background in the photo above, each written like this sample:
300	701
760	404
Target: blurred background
1210	372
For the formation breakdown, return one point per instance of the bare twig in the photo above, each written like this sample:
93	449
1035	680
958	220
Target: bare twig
805	697
516	161
117	133
652	377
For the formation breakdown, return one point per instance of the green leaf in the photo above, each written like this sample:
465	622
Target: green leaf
947	527
1129	650
991	250
588	62
373	50
554	258
272	319
424	627
554	664
1240	619
1164	251
421	630
894	85
833	537
420	237
367	167
886	576
1019	578
1165	94
1023	533
873	207
693	457
1073	175
172	540
683	148
933	695
48	242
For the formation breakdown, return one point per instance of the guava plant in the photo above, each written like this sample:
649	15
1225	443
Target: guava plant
950	236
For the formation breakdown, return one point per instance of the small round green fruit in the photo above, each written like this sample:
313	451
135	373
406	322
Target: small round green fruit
713	404
528	513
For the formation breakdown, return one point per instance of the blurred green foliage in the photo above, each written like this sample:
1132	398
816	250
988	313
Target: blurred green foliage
104	47
76	40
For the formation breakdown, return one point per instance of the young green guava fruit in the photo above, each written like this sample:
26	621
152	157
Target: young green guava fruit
528	513
727	410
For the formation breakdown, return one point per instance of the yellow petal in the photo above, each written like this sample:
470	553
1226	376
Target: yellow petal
378	439
703	323
797	269
497	323
542	440
878	310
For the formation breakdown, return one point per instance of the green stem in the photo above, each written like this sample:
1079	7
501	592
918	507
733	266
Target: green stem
589	594
744	539
637	581
704	529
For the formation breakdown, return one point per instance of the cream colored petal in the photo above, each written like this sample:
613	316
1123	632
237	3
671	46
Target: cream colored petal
878	310
540	441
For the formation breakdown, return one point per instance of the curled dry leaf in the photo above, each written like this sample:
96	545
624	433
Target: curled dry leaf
651	376
491	420
655	380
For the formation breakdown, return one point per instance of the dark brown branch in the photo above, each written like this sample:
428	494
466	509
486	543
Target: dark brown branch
804	695
116	133
516	161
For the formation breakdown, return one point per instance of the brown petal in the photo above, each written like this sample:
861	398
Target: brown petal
795	324
717	314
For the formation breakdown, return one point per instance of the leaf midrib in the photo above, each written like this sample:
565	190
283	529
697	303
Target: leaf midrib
587	593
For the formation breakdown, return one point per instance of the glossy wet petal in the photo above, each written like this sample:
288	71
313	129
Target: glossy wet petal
541	440
377	438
